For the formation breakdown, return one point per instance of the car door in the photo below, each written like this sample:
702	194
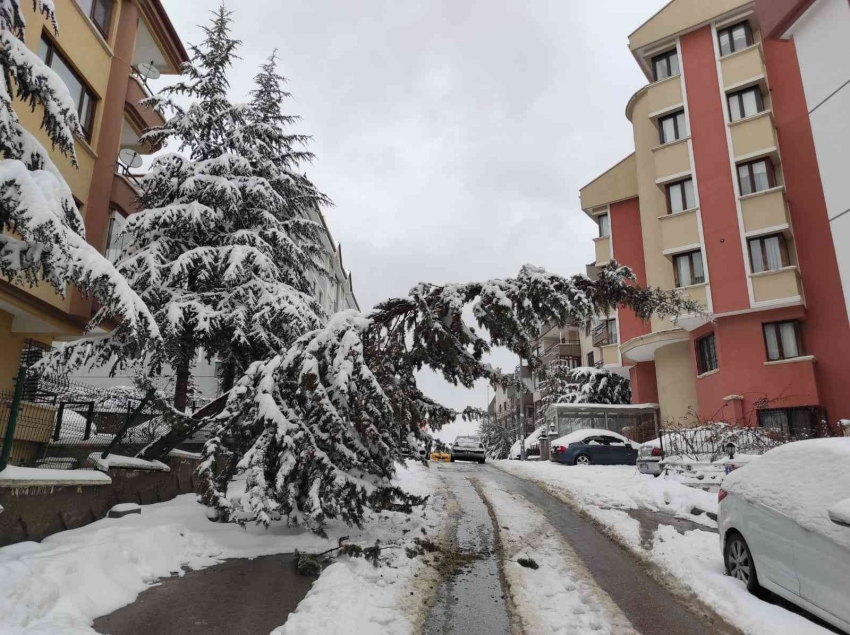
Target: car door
823	568
620	452
596	449
771	535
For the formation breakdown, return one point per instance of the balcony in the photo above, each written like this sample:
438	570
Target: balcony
141	117
563	351
610	355
664	95
741	67
765	210
671	159
603	249
605	333
124	193
679	230
753	136
772	287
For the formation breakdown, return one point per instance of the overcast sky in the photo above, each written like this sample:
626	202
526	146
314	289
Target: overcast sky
452	135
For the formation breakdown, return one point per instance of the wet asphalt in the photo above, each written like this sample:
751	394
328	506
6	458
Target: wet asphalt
465	602
471	600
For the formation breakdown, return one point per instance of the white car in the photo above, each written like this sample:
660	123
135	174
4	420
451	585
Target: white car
784	524
467	448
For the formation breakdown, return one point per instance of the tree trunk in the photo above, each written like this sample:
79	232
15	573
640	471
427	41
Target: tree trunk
183	372
228	377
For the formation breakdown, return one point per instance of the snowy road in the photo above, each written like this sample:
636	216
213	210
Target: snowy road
603	581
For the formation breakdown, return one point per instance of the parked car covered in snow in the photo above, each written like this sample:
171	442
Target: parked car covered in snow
593	446
784	523
467	448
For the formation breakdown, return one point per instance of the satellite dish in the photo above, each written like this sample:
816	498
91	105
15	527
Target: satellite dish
148	70
130	158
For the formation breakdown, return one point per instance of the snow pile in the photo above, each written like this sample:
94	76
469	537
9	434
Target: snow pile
37	475
63	583
802	480
581	435
561	591
692	559
614	486
532	441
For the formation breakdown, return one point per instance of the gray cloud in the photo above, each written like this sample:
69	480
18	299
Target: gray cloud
452	135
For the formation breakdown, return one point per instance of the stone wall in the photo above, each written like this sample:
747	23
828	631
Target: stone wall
33	513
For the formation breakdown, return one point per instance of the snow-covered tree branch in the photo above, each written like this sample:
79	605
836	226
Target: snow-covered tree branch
319	428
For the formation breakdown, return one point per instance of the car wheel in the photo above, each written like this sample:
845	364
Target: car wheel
481	461
739	562
451	459
583	459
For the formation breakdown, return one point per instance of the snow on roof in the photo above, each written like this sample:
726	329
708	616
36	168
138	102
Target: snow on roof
14	476
579	435
802	480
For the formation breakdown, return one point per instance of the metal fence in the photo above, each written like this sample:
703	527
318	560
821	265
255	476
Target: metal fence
711	442
50	422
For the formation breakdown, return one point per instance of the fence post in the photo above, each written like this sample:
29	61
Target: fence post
89	417
59	416
13	418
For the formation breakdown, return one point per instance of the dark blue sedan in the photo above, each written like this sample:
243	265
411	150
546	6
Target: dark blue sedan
593	447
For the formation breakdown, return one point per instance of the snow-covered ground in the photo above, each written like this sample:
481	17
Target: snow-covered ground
561	591
692	561
59	586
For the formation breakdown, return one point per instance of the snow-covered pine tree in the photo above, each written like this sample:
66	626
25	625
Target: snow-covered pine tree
43	235
319	429
496	437
219	253
596	385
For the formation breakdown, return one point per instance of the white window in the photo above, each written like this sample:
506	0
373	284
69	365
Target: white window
116	241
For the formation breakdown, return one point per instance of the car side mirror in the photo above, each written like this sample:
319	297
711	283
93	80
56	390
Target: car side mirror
840	513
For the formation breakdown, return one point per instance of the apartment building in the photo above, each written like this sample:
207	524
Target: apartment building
722	199
98	52
820	33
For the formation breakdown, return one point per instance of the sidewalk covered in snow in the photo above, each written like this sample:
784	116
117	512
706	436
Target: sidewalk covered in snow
635	421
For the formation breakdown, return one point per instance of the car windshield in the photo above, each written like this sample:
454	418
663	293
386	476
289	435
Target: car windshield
467	441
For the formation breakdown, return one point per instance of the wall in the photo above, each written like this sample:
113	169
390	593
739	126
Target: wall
822	40
724	255
37	512
625	228
741	357
676	381
644	383
827	330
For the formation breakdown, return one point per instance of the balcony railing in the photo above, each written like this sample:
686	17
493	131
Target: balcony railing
604	333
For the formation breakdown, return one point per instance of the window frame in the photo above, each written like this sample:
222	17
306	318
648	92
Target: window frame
739	95
679	134
704	363
798	335
783	252
690	256
680	184
771	175
102	28
599	218
591	361
749	39
88	124
665	56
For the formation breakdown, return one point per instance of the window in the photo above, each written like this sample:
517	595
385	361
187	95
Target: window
115	241
756	176
745	103
587	329
680	196
706	354
590	361
672	127
768	253
688	269
604	222
782	340
735	38
99	11
665	65
34	390
798	423
83	98
611	327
